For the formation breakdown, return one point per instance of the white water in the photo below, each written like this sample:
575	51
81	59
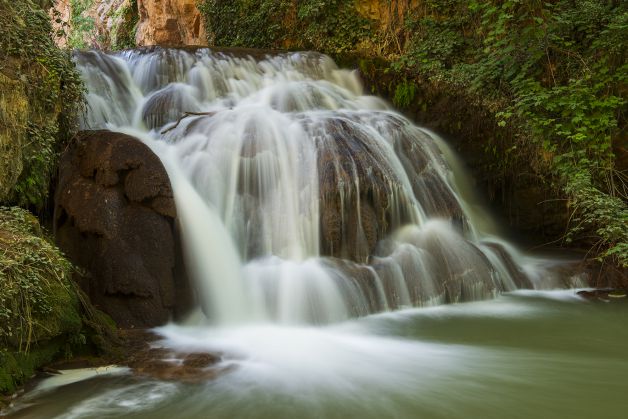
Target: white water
294	164
527	354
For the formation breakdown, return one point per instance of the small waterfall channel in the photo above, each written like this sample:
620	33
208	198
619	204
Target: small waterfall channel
324	231
301	199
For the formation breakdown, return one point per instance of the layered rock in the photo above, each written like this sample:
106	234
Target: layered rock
170	22
115	217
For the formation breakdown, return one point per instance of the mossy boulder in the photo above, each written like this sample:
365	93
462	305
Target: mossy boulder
40	94
39	305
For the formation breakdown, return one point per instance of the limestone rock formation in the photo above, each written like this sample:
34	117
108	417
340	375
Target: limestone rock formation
170	23
115	217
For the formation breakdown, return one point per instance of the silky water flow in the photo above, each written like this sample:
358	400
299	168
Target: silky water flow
323	232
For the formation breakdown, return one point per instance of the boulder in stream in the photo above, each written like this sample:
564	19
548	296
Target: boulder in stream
115	217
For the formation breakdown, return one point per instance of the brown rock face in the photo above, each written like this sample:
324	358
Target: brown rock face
362	200
170	23
115	217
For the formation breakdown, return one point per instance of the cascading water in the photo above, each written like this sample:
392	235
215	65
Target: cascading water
303	203
301	200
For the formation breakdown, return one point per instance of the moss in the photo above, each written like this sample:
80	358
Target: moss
37	297
43	314
124	27
40	95
13	117
17	367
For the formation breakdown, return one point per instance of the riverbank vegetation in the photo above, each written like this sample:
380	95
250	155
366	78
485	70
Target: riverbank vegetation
550	77
41	94
43	314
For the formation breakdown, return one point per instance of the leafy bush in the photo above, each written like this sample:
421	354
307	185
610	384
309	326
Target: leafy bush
556	71
330	26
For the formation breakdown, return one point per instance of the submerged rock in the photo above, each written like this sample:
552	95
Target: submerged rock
148	359
115	217
608	295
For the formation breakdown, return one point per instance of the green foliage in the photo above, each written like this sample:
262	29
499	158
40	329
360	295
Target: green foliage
37	298
246	23
127	19
43	313
330	26
82	27
405	93
555	72
53	89
597	211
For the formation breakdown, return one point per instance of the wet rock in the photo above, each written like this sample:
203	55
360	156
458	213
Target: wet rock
148	359
168	105
115	217
355	192
517	275
608	295
363	196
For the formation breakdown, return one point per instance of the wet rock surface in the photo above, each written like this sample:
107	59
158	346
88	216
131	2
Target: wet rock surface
140	350
115	218
362	200
148	359
608	295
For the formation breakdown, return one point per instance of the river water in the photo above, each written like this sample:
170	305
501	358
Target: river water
529	354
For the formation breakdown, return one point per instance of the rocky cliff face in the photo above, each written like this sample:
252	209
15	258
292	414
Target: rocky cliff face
119	24
170	23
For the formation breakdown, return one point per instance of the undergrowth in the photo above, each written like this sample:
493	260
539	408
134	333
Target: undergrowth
37	297
43	312
330	26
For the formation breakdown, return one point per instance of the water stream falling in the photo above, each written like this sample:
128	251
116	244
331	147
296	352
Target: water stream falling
314	218
301	200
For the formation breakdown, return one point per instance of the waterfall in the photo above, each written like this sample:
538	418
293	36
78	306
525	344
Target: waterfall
300	198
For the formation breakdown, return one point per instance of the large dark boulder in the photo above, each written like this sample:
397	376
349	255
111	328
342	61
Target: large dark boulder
115	217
